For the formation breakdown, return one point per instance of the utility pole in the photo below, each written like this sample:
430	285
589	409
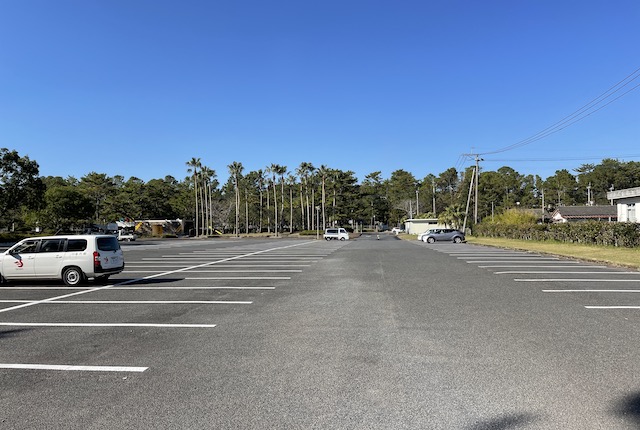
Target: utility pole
475	216
474	182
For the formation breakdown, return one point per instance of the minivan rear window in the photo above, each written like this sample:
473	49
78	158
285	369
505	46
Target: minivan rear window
76	245
108	244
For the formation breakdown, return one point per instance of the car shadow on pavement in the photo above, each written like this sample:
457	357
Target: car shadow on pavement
13	332
148	281
505	422
628	407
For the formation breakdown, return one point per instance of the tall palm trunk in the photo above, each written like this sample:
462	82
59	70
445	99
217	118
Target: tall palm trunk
246	210
290	208
275	206
301	206
268	210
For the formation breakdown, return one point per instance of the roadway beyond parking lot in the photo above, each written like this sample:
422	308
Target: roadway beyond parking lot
367	333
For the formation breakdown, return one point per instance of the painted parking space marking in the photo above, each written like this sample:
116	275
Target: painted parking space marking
136	302
539	266
223	287
149	265
68	367
591	291
238	271
612	307
572	272
24	305
549	267
134	287
72	324
241	278
509	259
575	280
44	288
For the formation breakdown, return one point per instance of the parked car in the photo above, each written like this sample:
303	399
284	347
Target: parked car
443	234
126	235
421	235
336	233
73	259
396	230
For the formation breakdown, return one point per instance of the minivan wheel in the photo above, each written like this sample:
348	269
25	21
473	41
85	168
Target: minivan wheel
457	239
72	276
431	239
342	238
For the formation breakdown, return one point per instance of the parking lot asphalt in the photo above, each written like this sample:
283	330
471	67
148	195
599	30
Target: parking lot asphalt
295	333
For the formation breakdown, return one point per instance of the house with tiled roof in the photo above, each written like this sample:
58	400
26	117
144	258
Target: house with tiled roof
584	213
626	201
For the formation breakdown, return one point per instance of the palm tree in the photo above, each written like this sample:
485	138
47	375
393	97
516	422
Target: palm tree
452	216
281	170
260	184
305	170
275	170
323	171
235	170
194	164
300	171
291	181
208	179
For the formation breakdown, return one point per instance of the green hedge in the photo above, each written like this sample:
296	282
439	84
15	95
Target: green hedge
623	234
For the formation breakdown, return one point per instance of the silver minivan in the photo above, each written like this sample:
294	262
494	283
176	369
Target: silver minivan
73	259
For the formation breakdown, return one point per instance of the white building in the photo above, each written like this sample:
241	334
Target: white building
417	226
626	201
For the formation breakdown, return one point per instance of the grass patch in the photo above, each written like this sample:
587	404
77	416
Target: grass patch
626	257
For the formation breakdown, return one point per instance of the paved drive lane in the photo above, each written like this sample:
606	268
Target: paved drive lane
362	334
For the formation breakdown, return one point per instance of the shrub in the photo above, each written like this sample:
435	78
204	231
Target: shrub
605	233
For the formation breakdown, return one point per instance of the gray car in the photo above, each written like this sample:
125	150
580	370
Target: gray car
444	234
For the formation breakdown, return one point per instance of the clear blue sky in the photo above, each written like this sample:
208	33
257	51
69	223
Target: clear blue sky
139	87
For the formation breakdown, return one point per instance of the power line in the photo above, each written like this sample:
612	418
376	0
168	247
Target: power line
563	158
600	102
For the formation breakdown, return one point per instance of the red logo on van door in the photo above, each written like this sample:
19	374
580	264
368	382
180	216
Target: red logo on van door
19	263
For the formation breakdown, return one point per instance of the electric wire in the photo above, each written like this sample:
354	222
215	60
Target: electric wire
585	111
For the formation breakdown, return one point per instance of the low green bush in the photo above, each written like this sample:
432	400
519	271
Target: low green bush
621	234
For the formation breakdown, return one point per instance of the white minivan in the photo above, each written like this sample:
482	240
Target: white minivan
73	259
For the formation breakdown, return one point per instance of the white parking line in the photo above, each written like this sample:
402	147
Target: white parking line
45	288
145	265
135	302
612	307
72	367
230	271
509	261
601	272
577	280
194	288
591	291
243	278
144	288
20	324
538	266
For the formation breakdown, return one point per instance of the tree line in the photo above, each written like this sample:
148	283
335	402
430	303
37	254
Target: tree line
280	199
